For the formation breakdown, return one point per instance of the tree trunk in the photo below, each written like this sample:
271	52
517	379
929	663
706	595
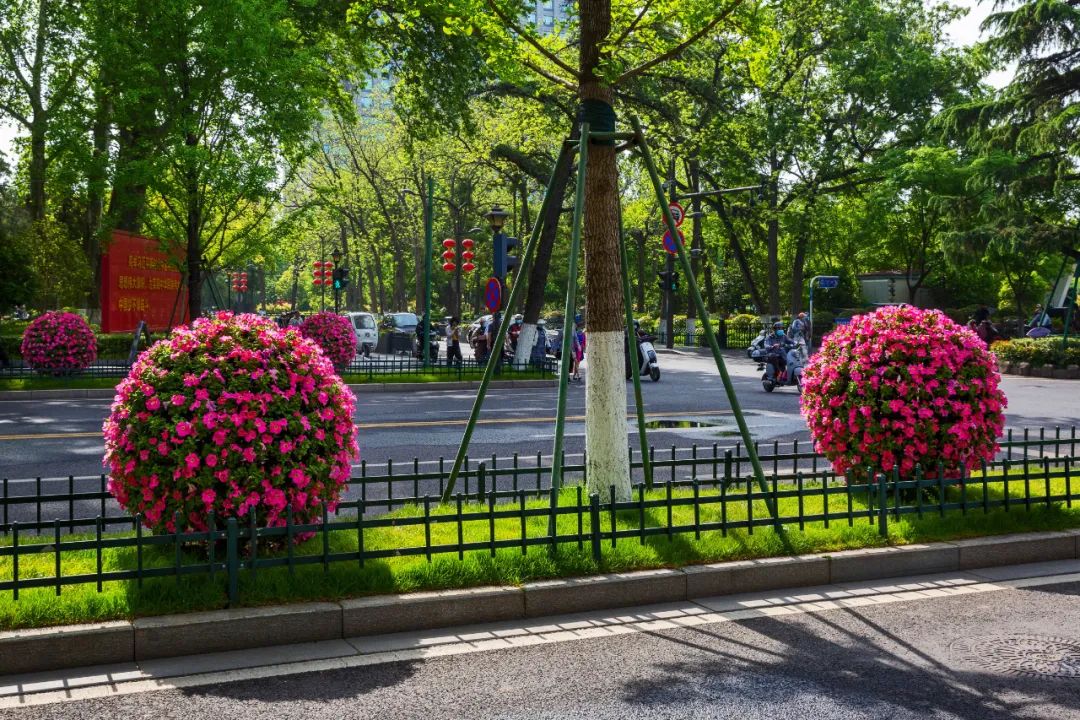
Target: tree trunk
36	204
773	243
640	301
541	266
797	272
605	394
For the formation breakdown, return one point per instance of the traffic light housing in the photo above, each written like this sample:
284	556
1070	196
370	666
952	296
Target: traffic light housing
668	280
341	278
504	262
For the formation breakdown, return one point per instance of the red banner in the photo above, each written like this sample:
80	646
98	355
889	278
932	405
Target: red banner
140	282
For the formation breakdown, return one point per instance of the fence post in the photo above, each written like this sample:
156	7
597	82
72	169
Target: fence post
232	560
883	507
481	477
594	524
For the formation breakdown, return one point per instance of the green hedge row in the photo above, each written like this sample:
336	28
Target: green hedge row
114	346
1039	351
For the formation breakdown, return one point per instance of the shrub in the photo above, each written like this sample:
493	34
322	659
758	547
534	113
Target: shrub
334	334
231	415
1039	351
901	386
58	342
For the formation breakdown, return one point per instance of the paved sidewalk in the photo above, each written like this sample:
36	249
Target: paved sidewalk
988	644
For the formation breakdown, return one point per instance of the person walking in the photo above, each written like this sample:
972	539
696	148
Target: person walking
577	349
453	342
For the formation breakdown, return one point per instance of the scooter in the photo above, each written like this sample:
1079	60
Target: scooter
795	354
647	359
433	347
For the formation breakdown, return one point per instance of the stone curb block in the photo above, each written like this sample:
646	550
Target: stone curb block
35	650
381	614
764	574
41	649
601	592
892	561
1012	550
222	630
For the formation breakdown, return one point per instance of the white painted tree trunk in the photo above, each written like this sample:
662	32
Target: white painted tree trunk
605	416
526	341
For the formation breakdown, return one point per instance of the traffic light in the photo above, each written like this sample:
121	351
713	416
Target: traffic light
504	261
668	280
674	281
341	278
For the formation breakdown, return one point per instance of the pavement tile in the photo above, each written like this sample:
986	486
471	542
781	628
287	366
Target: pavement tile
237	659
11	685
1042	569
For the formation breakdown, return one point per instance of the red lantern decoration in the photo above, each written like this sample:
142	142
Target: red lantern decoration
449	243
316	264
468	267
467	243
467	255
448	255
449	266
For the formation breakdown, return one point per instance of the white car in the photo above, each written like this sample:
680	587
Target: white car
367	332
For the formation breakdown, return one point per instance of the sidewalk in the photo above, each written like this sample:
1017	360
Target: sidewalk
147	675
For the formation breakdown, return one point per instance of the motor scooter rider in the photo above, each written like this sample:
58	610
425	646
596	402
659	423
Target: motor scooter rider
776	346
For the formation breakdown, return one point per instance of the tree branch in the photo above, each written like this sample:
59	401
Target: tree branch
677	50
633	25
548	76
532	40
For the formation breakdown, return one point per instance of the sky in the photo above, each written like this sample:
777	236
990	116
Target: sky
964	31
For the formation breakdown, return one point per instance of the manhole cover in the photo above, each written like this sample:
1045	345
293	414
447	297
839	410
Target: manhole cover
1023	655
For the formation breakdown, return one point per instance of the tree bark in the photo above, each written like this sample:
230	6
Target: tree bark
605	394
773	240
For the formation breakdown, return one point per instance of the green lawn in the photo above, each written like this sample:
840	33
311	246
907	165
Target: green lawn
509	566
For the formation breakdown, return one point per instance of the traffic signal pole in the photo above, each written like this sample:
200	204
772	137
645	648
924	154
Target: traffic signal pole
669	294
428	224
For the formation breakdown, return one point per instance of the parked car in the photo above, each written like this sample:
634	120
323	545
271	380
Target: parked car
367	332
397	332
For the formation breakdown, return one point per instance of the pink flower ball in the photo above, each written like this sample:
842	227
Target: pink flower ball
59	341
334	334
902	387
257	422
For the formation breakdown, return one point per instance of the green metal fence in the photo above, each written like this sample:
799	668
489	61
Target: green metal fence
504	518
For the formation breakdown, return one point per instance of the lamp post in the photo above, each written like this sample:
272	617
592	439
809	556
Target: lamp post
496	219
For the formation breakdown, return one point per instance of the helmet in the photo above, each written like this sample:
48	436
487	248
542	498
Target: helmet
637	324
778	326
519	317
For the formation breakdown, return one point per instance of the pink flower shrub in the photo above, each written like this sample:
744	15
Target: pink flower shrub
232	415
59	341
334	334
903	386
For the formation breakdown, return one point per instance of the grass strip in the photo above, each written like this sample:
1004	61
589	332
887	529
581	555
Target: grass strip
508	565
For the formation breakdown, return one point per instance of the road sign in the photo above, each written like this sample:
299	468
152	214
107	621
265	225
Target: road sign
828	282
677	213
493	295
669	244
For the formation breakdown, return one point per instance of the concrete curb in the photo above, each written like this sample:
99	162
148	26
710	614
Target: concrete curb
110	393
24	651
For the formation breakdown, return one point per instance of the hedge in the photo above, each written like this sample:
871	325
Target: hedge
1039	351
112	346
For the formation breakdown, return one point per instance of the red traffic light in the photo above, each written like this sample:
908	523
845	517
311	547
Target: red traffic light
467	243
468	267
467	255
449	243
449	266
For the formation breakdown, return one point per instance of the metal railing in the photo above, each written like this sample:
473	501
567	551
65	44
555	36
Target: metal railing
57	518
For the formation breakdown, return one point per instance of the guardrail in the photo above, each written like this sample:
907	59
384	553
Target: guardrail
388	367
233	549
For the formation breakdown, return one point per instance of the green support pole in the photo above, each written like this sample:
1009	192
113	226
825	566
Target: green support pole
489	369
631	347
428	223
568	314
703	315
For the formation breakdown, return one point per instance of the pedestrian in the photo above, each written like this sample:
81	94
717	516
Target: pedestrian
453	342
798	328
480	342
577	349
982	314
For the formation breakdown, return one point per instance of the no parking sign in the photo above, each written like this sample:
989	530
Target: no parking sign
493	295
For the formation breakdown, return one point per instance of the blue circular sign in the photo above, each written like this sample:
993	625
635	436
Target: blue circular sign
493	295
669	243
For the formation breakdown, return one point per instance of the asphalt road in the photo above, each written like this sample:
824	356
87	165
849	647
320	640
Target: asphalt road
956	657
58	438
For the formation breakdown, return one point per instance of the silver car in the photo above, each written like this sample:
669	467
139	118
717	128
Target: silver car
367	332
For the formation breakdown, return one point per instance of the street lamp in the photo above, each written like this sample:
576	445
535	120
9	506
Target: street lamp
496	218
